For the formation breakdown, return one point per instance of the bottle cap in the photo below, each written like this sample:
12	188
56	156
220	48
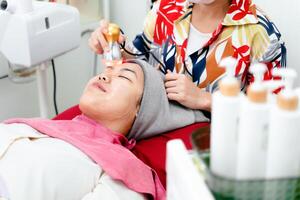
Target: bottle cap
290	104
287	99
113	33
257	91
229	85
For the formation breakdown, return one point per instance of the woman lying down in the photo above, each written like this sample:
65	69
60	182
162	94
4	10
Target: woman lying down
89	157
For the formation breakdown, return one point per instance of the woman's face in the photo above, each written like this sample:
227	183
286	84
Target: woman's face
114	94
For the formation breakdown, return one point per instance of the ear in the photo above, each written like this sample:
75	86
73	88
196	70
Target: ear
137	110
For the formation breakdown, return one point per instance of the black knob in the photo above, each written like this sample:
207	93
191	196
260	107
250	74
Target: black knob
3	5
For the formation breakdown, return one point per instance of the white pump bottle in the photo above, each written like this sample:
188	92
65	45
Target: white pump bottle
253	128
225	110
283	155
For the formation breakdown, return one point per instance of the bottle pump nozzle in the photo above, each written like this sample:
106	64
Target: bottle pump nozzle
257	91
288	76
272	85
258	70
229	64
229	86
287	98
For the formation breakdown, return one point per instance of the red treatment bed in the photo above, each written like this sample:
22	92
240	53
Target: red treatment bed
151	151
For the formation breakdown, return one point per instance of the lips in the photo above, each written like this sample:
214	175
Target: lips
99	86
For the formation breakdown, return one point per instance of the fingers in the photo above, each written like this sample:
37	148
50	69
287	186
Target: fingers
94	44
103	29
97	41
170	76
174	84
175	97
101	38
172	90
169	84
104	23
175	89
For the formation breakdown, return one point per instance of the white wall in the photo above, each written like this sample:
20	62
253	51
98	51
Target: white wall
73	69
286	16
129	14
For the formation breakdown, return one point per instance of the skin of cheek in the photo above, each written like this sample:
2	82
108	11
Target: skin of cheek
120	102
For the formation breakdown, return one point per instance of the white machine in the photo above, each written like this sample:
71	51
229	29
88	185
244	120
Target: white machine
33	33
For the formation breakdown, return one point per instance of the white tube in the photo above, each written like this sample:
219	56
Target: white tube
41	76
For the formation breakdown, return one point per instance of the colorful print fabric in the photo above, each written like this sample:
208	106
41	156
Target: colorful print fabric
245	33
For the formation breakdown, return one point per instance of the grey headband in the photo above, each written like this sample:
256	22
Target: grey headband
157	114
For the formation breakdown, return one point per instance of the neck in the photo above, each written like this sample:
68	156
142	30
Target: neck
206	18
216	9
120	125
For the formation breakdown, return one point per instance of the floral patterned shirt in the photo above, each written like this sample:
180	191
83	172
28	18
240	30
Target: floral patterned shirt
245	33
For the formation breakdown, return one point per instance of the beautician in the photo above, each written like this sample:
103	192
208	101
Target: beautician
186	39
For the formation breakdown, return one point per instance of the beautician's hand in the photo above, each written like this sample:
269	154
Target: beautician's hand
181	89
97	41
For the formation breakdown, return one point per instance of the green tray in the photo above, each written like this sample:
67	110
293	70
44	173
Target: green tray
229	189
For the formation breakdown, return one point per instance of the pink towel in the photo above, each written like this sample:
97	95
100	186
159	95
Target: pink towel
110	150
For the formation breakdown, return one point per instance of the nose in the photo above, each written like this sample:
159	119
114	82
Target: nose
104	78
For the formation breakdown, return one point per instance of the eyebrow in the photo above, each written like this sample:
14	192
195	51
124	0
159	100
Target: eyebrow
124	69
129	70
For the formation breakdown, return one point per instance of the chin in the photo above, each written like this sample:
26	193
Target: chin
82	106
85	107
89	109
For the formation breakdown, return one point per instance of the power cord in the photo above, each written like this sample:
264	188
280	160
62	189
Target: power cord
123	46
54	87
142	54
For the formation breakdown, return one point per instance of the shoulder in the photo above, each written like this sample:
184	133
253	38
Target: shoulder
265	26
249	17
266	40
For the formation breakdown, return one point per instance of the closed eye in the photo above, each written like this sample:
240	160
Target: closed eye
121	76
